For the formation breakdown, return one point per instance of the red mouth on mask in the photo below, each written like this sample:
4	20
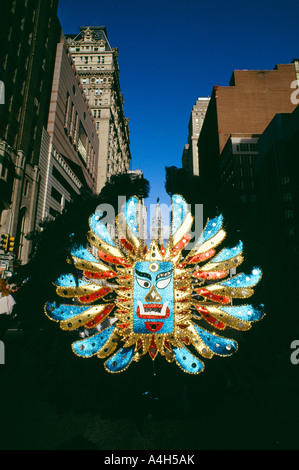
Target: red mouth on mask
153	311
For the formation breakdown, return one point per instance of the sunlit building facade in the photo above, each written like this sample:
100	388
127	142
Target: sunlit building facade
190	152
97	66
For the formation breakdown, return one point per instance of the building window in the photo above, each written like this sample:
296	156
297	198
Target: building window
5	61
26	187
98	125
10	103
56	195
99	113
3	172
53	212
82	142
67	112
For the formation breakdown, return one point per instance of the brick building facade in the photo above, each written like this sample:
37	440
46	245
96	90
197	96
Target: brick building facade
246	106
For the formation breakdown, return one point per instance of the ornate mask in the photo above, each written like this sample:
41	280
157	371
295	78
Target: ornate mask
155	300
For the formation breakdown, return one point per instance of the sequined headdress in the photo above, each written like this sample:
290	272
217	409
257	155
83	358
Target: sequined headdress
154	300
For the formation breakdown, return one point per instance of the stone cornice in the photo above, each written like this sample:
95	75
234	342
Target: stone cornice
96	72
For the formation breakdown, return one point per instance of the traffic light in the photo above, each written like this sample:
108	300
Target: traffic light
4	241
11	243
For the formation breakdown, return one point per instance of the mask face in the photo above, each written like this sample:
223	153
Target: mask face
153	297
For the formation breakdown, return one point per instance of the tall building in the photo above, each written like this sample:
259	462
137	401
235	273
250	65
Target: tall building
278	191
97	66
48	141
190	152
142	210
29	33
246	106
157	227
69	150
237	165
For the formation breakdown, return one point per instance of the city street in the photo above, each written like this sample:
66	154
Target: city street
42	410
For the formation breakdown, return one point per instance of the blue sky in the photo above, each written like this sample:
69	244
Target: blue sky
171	52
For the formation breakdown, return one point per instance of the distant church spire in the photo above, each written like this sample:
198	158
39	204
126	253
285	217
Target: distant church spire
158	224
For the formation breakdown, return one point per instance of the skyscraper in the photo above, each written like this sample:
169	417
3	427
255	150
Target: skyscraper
97	66
190	152
278	191
157	227
29	35
69	150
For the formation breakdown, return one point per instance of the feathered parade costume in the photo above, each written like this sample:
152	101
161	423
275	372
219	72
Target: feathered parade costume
156	301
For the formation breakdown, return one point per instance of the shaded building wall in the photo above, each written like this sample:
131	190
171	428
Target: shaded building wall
69	151
247	105
29	34
71	125
208	147
278	190
237	164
